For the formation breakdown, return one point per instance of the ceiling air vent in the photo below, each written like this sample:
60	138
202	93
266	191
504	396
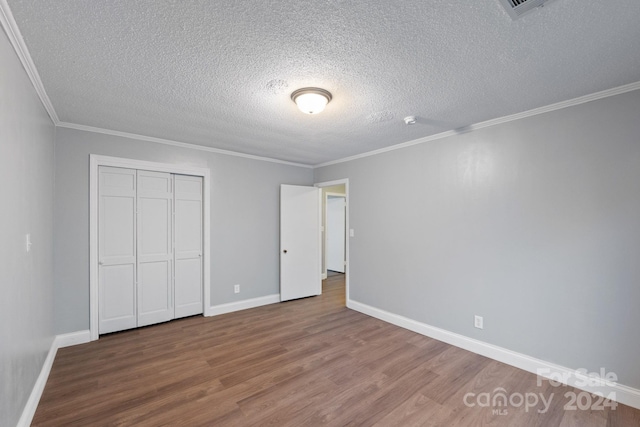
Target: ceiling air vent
517	8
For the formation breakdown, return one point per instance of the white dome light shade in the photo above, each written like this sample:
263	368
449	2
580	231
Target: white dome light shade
311	100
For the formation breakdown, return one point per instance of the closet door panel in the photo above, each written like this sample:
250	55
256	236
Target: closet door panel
117	249
118	297
188	245
153	290
155	243
155	215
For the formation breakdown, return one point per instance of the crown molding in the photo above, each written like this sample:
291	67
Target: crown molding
15	37
536	111
177	144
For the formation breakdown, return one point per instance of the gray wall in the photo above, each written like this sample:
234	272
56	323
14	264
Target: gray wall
533	224
26	196
245	212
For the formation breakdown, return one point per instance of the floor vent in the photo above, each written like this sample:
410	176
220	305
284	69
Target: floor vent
517	8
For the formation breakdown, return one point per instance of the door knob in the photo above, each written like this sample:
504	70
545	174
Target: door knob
284	251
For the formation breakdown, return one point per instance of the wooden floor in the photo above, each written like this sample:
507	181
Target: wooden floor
300	363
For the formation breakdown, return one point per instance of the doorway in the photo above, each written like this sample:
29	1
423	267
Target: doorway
338	191
335	232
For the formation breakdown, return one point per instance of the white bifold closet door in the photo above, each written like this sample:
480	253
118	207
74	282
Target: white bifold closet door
117	249
188	245
155	247
150	247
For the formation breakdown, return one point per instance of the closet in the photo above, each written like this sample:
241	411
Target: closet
149	247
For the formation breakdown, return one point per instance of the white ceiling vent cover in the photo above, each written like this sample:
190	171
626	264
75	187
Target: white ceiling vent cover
517	8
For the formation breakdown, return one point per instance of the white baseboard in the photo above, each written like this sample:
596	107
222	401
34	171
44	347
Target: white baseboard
63	340
324	276
242	305
73	338
575	378
34	398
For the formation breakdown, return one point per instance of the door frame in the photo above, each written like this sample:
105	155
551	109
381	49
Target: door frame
326	215
95	161
344	181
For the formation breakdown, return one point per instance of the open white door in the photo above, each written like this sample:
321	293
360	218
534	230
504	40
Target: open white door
299	242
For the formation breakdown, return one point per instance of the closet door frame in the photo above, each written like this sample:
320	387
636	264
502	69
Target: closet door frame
95	161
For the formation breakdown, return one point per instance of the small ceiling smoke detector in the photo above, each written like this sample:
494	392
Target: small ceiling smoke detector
410	120
311	100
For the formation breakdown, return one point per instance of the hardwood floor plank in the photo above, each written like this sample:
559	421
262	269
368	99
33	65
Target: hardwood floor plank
412	412
301	363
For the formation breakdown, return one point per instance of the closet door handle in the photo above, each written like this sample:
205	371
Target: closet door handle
284	251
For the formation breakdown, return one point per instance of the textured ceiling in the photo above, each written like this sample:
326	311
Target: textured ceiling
220	73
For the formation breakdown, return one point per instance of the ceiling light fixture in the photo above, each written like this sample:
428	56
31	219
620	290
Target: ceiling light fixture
311	100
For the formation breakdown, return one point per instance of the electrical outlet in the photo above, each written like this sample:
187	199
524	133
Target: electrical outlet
478	322
236	289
